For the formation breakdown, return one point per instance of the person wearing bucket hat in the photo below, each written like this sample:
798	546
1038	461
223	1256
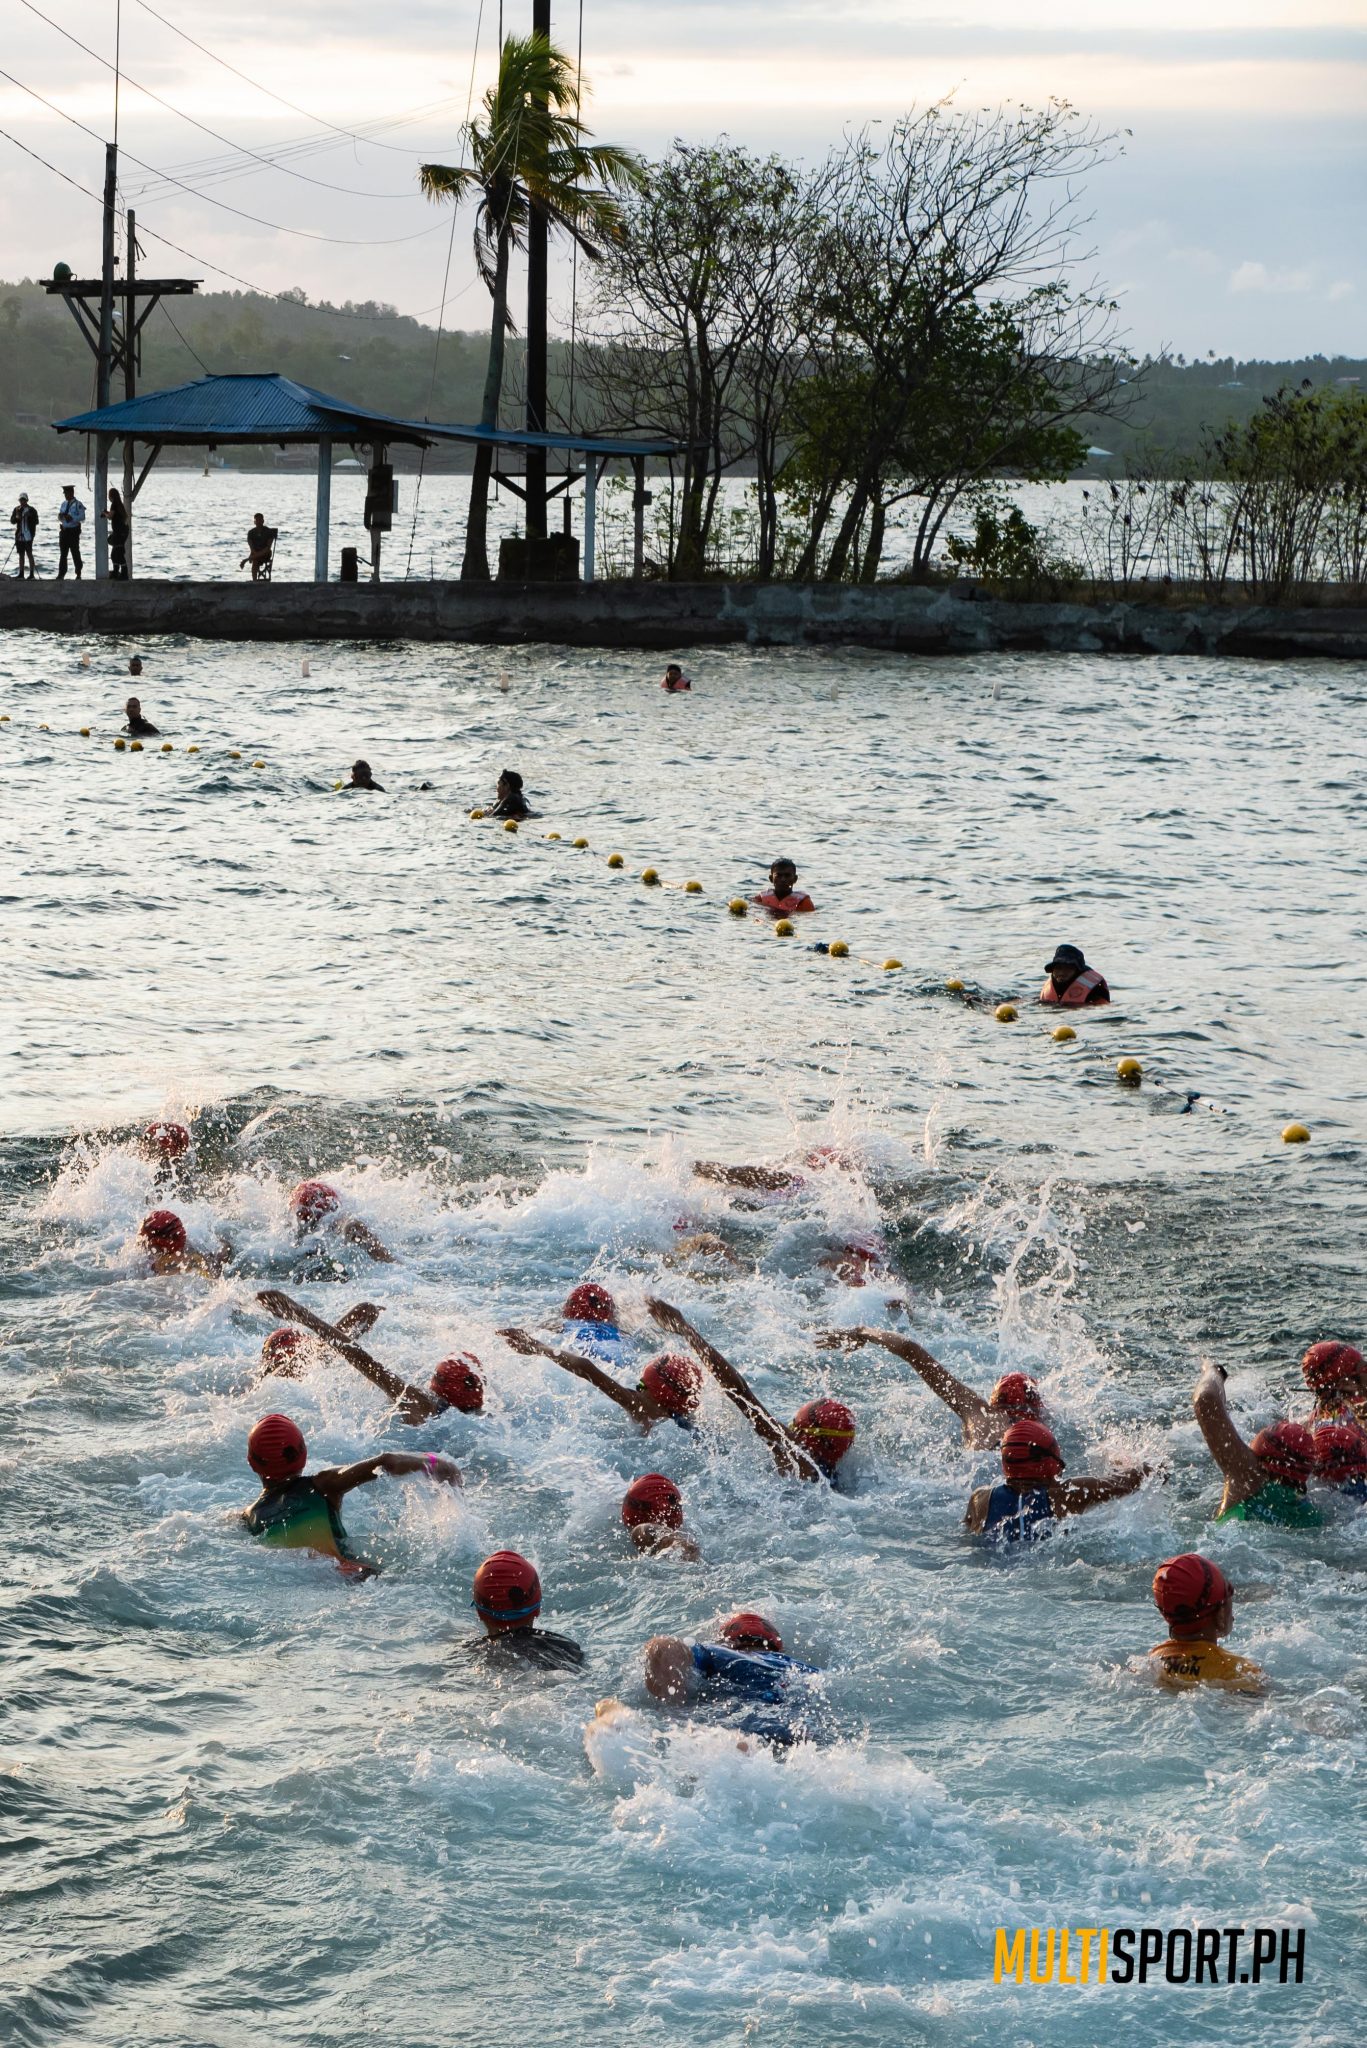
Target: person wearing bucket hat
1033	1494
1265	1480
1196	1600
299	1510
507	1599
1072	982
985	1417
662	1394
810	1448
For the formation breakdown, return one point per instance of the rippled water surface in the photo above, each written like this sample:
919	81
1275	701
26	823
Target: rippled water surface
246	1800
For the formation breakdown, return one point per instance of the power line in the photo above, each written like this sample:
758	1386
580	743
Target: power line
43	160
183	342
202	171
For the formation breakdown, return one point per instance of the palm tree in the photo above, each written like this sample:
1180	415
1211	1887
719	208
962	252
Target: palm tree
529	148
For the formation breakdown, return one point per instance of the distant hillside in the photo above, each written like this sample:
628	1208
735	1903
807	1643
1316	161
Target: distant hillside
375	357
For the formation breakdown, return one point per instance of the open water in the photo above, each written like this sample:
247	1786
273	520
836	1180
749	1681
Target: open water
247	1801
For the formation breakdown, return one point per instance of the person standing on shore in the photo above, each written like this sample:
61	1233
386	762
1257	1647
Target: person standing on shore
24	520
70	520
117	516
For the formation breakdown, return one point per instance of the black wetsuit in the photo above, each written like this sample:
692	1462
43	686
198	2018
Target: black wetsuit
535	1647
142	729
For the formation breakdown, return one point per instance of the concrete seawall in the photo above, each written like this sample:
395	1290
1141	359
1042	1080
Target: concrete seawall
898	618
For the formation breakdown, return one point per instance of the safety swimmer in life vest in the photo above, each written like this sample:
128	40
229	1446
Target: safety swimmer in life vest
1265	1481
315	1206
669	1389
1336	1374
1015	1398
507	1599
783	898
166	1242
298	1510
746	1682
653	1516
819	1436
1072	982
456	1382
1196	1600
675	680
1033	1493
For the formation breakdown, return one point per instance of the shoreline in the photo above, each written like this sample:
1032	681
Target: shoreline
893	618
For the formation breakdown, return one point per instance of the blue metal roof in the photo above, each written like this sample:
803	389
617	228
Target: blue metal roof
247	406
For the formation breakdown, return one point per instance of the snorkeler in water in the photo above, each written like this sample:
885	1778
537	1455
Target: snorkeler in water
1033	1493
315	1206
1196	1600
668	1389
455	1382
166	1242
653	1516
746	1682
820	1434
299	1511
985	1420
507	1599
783	898
1265	1481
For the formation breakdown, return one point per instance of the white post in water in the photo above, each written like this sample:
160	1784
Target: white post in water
323	517
590	510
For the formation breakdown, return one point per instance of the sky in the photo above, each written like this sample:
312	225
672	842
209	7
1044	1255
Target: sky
1231	222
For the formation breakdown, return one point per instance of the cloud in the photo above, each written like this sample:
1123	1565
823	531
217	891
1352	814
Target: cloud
1257	277
1341	288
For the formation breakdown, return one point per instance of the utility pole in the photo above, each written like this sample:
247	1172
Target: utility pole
130	365
537	244
104	357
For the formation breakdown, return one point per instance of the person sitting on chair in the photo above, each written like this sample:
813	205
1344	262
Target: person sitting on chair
260	548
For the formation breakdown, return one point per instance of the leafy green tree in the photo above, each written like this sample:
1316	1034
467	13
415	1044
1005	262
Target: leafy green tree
529	149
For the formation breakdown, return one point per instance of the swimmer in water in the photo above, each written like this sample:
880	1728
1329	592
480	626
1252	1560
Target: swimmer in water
1341	1458
653	1516
509	801
299	1511
507	1599
1196	1600
1265	1481
1072	982
820	1434
746	1682
675	680
703	1254
455	1382
590	1321
138	727
1015	1398
669	1389
783	898
167	1143
1336	1374
361	778
312	1206
166	1242
286	1351
1033	1494
135	665
764	1180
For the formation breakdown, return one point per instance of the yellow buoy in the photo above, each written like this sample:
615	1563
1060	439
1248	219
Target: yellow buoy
579	842
1005	1013
258	764
838	950
510	824
891	966
1295	1134
192	750
738	906
339	785
45	728
784	928
167	748
476	814
120	746
692	888
1129	1071
4	718
135	747
233	754
552	835
85	732
1061	1034
956	988
615	861
651	877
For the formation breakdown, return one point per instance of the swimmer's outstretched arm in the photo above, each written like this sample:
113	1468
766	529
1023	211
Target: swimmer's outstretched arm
1075	1496
640	1407
770	1180
414	1404
340	1479
356	1232
967	1405
790	1458
1244	1476
358	1320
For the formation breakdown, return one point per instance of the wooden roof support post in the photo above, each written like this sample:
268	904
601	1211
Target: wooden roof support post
323	516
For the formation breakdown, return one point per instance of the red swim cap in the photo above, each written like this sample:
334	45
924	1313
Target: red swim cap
653	1498
279	1350
826	1429
1332	1364
457	1382
312	1200
507	1590
748	1631
1017	1395
164	1231
1030	1451
1189	1590
1340	1452
276	1448
589	1303
171	1140
674	1381
1286	1451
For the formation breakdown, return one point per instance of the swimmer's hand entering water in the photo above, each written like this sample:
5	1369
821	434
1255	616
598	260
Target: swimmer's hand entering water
640	1406
792	1460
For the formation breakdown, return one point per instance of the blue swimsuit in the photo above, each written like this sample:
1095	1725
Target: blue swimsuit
602	1341
1018	1517
751	1691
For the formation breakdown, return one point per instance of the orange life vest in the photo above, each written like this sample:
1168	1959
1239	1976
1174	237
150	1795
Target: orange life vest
1077	991
785	906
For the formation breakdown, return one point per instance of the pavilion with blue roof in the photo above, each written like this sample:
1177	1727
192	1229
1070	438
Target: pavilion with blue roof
242	408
